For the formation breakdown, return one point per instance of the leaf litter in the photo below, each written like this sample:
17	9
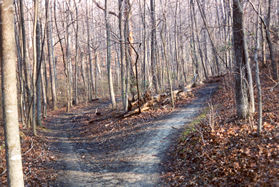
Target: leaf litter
228	152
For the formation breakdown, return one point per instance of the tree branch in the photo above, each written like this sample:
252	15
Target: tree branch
257	12
261	18
102	8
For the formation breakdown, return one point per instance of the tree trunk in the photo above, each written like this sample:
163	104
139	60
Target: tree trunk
127	54
69	67
20	79
258	81
198	40
210	39
27	83
270	45
75	99
144	46
50	54
44	87
63	56
194	52
9	94
176	44
110	81
263	44
122	50
90	81
35	58
84	77
153	46
241	87
39	78
166	57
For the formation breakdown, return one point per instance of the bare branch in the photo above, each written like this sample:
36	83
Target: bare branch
102	8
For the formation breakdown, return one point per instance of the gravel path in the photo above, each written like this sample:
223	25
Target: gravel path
133	160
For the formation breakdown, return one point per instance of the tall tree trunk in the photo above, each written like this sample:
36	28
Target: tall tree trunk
153	46
84	77
27	83
122	50
241	87
127	54
194	51
263	44
166	57
176	43
69	67
258	81
97	73
20	79
35	55
75	99
270	45
91	83
9	94
110	81
50	54
63	56
44	87
39	78
198	40
144	46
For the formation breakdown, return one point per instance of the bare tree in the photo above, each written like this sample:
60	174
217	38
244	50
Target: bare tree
64	55
75	99
198	40
215	52
258	81
110	81
270	45
50	52
153	45
166	57
9	94
35	58
240	48
89	51
24	60
39	76
127	15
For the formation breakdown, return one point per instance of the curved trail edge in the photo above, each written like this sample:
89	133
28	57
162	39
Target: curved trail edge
135	161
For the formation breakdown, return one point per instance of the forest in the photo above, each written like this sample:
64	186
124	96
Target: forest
139	93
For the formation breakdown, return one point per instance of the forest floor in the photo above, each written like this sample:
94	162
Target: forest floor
108	151
200	143
221	150
81	149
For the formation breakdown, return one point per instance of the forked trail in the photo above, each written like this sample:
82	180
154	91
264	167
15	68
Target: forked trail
116	159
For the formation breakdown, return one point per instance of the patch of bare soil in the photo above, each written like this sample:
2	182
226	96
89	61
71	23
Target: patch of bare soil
81	148
106	150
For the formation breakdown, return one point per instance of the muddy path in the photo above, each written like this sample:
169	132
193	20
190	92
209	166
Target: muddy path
130	158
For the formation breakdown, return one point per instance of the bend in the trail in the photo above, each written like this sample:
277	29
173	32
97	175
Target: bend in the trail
132	159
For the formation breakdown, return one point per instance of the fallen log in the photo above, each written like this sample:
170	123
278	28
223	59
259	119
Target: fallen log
147	101
136	111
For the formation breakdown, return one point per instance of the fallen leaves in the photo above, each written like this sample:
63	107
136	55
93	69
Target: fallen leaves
35	158
230	154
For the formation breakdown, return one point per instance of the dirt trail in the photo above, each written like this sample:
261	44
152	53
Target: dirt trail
133	160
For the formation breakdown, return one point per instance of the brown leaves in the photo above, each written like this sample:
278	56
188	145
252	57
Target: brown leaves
35	157
232	153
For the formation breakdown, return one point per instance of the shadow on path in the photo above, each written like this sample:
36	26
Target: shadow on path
114	159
